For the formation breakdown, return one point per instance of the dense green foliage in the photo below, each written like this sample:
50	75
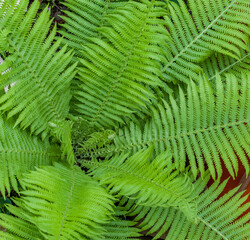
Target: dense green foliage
113	122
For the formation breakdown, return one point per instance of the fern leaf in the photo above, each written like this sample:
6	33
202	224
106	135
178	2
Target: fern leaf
218	217
61	130
20	152
82	20
19	228
224	64
152	184
97	140
121	229
116	68
210	26
42	84
62	203
206	126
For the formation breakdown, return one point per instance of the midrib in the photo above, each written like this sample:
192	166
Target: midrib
198	37
213	228
229	66
127	172
120	73
148	143
104	13
37	80
17	151
67	204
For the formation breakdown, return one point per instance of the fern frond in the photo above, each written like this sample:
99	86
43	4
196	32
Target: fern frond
82	20
20	152
218	217
210	26
207	125
153	183
19	228
224	64
61	130
121	229
96	140
115	69
63	203
42	75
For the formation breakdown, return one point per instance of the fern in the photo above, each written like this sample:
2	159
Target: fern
83	20
218	217
152	184
20	152
97	140
61	130
205	125
122	229
222	64
110	83
41	74
212	26
81	214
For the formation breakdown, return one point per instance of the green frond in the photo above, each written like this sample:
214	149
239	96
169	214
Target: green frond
62	203
83	20
205	126
153	183
61	130
81	129
116	69
121	229
96	140
218	217
224	64
20	152
207	27
19	228
41	72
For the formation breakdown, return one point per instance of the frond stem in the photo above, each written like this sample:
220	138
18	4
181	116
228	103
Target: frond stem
149	142
123	68
50	101
229	66
126	172
68	203
213	228
17	151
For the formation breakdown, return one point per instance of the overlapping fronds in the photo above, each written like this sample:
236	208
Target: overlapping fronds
62	203
61	130
218	217
206	125
153	183
117	69
82	20
20	152
208	27
224	64
41	73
